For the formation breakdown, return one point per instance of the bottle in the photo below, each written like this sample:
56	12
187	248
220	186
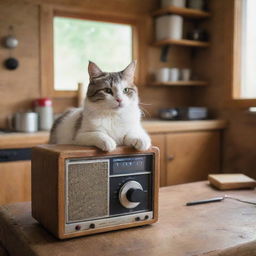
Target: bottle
44	109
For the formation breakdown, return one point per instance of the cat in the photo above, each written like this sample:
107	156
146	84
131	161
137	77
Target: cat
110	117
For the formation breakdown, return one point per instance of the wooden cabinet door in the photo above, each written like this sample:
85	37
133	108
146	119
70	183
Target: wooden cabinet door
192	156
159	141
15	182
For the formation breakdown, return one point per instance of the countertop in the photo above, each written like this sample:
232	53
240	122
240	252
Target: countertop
160	126
26	140
223	228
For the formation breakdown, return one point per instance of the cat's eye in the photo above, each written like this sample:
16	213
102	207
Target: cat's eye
108	90
126	90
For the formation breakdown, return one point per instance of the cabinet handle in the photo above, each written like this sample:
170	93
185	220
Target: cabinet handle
170	157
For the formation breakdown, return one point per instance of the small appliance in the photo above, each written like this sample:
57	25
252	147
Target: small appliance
82	190
184	113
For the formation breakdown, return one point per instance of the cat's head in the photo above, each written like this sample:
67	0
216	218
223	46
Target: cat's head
112	91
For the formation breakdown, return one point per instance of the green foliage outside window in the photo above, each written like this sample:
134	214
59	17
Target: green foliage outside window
77	41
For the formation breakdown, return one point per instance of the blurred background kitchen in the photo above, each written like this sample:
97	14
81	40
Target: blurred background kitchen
195	74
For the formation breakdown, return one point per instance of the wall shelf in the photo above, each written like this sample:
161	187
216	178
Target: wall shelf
181	83
182	42
185	12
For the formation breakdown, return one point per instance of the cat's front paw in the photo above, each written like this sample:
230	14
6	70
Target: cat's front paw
107	145
141	144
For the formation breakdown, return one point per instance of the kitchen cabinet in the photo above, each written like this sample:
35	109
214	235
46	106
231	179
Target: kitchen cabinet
187	156
15	182
192	156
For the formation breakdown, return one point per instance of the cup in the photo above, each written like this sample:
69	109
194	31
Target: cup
174	74
185	74
26	122
176	3
162	75
196	4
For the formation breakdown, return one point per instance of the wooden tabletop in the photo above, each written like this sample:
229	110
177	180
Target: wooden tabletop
209	229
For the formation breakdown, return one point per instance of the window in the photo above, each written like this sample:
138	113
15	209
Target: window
247	71
76	41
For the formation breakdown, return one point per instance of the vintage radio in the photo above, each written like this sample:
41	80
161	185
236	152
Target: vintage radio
81	190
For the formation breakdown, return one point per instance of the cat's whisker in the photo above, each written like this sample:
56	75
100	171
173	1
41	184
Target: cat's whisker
146	104
144	112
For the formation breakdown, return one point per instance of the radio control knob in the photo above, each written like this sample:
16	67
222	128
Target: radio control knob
131	194
136	195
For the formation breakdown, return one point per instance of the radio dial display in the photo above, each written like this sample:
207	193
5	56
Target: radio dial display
135	164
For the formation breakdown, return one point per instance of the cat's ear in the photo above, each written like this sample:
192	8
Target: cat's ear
93	70
129	72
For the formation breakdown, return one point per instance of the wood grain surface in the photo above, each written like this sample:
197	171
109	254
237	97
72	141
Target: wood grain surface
23	140
27	81
160	126
181	230
231	181
192	156
185	12
220	67
15	182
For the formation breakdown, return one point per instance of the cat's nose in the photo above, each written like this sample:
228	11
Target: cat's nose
118	100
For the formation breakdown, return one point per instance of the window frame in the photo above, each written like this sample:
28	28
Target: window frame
236	99
47	14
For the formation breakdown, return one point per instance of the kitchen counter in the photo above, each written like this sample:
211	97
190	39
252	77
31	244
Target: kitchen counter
26	140
160	126
23	140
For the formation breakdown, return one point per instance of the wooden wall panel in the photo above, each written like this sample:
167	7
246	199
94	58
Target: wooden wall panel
19	88
239	154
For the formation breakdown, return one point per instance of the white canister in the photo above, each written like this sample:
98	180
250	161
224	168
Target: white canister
169	27
176	3
162	75
44	109
174	74
26	122
185	74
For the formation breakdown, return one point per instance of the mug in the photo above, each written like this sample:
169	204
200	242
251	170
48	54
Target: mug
176	3
25	122
185	74
174	74
196	4
162	75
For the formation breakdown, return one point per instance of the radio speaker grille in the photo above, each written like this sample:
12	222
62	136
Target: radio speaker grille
87	190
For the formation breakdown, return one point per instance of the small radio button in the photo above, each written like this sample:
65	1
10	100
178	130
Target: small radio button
92	225
78	227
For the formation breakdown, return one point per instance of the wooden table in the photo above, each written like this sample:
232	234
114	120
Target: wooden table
223	228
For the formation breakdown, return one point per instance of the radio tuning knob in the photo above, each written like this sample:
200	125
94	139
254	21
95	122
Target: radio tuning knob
136	195
131	194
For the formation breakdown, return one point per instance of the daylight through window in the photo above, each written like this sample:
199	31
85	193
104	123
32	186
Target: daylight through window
77	41
248	54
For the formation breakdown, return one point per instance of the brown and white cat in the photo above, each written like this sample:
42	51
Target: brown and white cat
111	115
